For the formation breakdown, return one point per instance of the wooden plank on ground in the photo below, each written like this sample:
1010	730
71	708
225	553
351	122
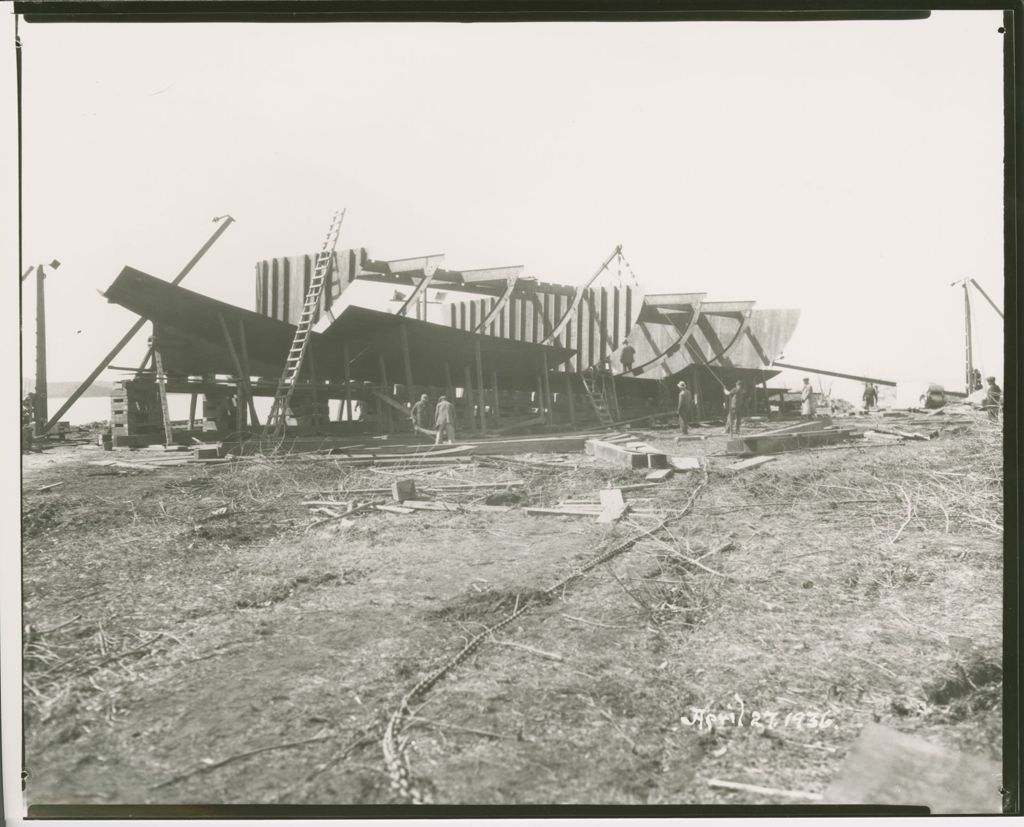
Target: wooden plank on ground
660	475
613	506
753	462
612	454
889	767
396	509
779	443
801	427
685	463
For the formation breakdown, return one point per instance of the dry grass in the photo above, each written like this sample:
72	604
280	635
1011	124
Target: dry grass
862	584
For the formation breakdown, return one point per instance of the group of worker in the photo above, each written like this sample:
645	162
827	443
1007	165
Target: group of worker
735	397
441	421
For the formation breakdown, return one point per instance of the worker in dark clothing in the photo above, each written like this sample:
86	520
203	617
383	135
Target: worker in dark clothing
993	398
420	414
870	396
684	408
733	402
444	420
975	381
627	356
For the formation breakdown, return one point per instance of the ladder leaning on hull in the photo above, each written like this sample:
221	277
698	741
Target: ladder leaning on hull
598	400
293	364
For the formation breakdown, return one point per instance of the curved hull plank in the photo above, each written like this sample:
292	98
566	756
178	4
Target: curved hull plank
765	338
665	323
499	305
581	291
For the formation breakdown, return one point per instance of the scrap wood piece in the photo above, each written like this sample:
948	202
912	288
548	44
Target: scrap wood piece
118	464
613	506
50	486
685	463
770	791
660	474
753	462
396	509
563	512
403	490
885	766
438	505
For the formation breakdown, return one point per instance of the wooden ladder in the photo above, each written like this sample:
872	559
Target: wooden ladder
598	401
293	364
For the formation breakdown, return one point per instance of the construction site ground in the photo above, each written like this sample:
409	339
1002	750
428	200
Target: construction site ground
195	635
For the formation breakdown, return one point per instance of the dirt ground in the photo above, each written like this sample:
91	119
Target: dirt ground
191	638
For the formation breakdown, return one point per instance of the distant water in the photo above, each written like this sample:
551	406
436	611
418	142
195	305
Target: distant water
97	408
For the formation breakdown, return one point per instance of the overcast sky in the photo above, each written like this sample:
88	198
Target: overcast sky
851	169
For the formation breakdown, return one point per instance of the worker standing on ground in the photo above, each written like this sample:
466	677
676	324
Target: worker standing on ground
733	402
420	414
993	398
975	380
684	408
807	400
870	396
627	356
444	420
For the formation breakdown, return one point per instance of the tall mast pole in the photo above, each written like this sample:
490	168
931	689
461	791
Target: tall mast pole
41	402
967	329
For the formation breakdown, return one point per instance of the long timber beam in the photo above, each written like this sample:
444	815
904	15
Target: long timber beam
559	328
498	305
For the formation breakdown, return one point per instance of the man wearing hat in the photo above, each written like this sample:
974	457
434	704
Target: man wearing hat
444	420
684	408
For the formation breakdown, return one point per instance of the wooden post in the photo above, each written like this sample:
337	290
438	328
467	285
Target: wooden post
767	404
497	404
384	410
243	379
316	397
250	398
572	402
450	386
547	390
540	396
409	391
348	382
192	411
480	382
470	419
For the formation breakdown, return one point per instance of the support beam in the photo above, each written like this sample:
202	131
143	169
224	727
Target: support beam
480	384
569	397
449	386
429	269
243	343
469	400
834	373
348	382
540	398
243	379
989	300
135	328
547	390
497	403
499	305
407	360
382	412
552	337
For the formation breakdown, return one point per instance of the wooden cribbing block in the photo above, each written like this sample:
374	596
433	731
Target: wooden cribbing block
660	475
889	767
684	463
617	455
403	490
